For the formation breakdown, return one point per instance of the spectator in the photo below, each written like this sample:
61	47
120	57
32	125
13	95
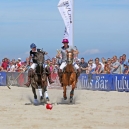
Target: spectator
48	62
107	68
83	65
12	67
109	61
91	66
120	60
126	70
4	64
99	66
78	62
124	59
103	60
51	66
19	61
115	67
54	61
18	66
99	69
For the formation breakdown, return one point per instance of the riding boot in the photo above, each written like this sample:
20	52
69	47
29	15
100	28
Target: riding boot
49	79
60	73
30	74
78	73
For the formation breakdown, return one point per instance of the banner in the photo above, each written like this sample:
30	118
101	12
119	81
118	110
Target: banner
121	83
66	10
95	82
104	82
2	78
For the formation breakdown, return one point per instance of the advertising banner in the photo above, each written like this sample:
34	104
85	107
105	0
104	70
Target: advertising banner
2	78
121	82
104	82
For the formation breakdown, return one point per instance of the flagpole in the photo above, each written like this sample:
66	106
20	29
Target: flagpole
72	29
71	33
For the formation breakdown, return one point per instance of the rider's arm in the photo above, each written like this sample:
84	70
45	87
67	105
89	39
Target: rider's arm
58	54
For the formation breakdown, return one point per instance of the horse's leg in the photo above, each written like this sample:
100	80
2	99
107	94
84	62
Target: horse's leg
46	93
41	93
35	96
64	93
72	91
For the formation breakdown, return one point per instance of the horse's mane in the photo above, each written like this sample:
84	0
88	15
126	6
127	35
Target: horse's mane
40	61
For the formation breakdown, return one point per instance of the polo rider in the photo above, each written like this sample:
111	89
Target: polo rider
34	64
63	56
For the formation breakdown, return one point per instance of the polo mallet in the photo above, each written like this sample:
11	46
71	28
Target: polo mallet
18	76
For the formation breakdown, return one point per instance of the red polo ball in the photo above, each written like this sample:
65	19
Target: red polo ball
49	106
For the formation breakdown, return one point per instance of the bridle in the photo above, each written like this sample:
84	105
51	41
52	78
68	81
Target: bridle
70	57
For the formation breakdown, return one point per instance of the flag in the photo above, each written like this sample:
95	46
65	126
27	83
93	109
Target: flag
66	11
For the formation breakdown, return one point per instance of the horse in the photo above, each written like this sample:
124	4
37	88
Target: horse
39	78
69	76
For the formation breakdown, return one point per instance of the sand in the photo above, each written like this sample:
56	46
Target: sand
90	110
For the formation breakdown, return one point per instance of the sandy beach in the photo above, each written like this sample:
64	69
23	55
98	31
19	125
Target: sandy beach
90	110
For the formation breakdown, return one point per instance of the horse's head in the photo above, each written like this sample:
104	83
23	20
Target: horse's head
40	58
70	56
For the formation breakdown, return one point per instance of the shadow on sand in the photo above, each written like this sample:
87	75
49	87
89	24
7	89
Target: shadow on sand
37	103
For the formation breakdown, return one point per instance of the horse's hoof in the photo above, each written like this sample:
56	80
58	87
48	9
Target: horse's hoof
35	102
65	98
71	100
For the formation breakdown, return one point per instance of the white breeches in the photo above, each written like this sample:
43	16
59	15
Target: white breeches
64	64
33	66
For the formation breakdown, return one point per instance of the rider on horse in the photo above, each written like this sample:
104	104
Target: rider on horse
63	56
33	66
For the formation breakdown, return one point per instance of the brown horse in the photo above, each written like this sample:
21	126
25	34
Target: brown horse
39	77
69	76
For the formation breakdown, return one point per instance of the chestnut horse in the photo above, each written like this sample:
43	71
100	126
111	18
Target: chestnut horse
39	77
69	76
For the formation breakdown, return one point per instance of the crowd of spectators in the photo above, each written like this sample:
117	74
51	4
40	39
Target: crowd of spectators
113	65
13	65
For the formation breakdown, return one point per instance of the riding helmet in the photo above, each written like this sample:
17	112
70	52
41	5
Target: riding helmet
65	41
32	46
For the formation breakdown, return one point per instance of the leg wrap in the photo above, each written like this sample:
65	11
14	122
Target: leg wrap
60	74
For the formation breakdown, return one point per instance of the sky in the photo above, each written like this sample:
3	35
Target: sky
101	27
